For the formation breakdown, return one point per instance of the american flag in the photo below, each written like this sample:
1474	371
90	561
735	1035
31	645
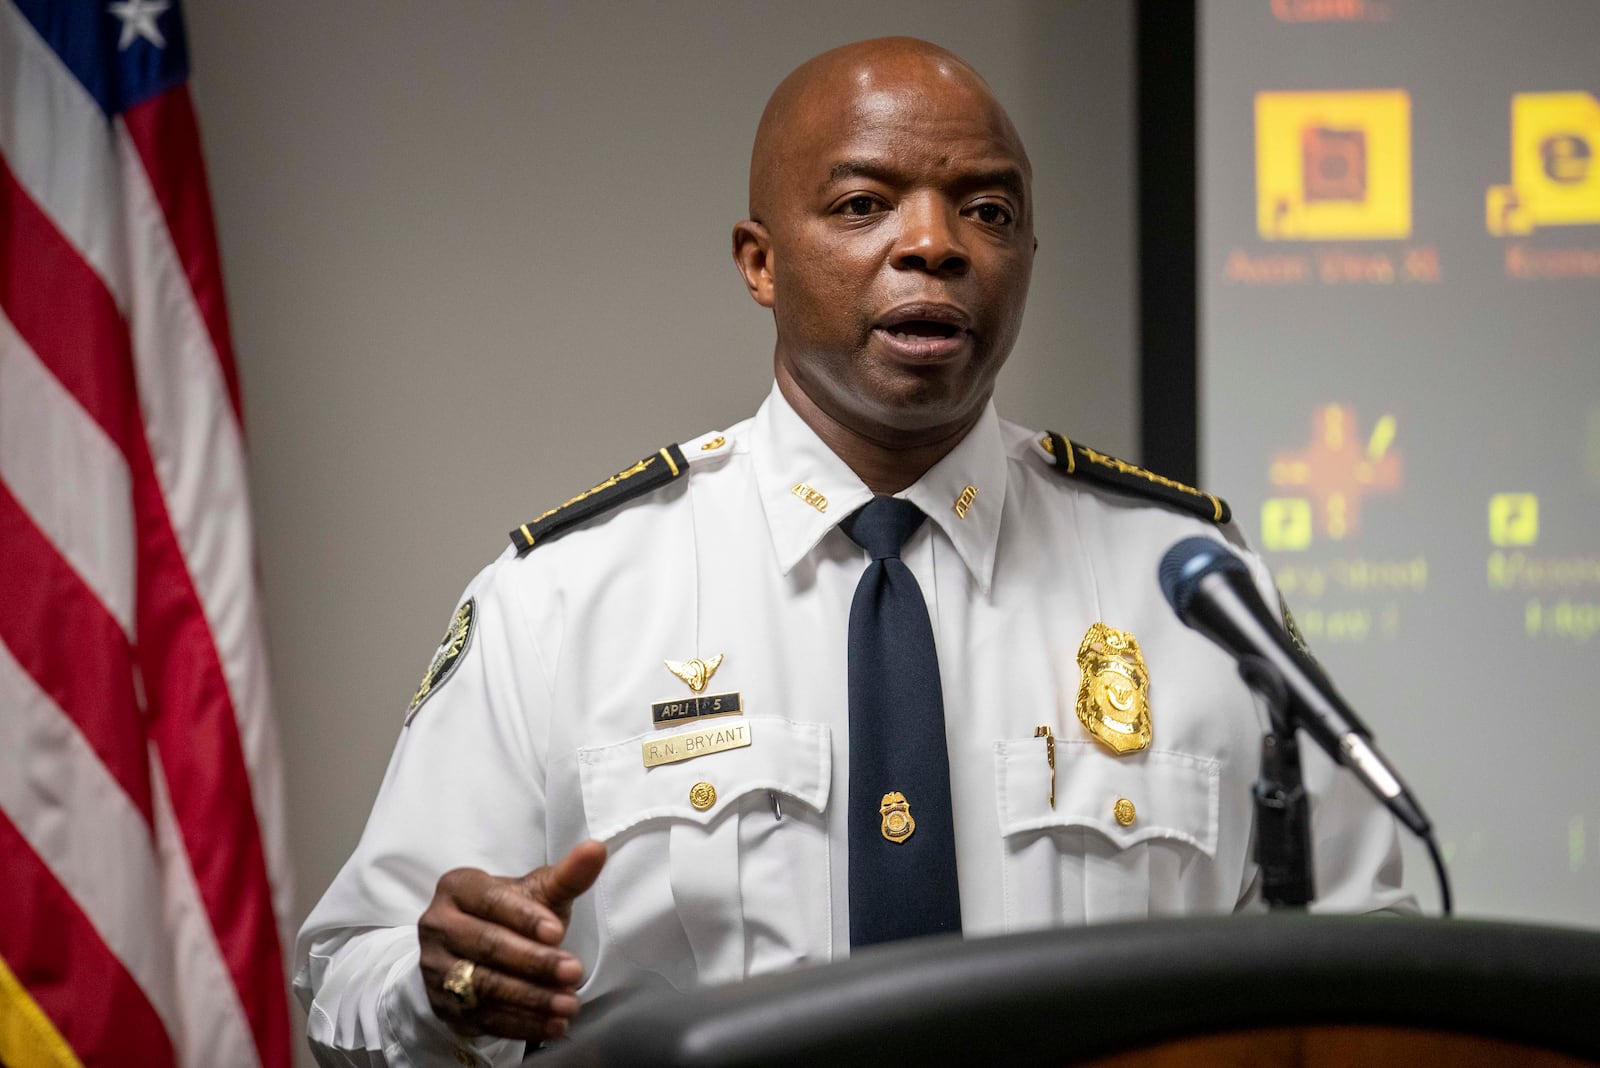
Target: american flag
143	889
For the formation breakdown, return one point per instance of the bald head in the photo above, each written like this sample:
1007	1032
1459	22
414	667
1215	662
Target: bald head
891	235
843	83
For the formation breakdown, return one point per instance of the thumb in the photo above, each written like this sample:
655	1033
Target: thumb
559	883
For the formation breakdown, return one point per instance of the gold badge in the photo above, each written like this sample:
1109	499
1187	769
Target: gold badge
695	672
897	821
1114	691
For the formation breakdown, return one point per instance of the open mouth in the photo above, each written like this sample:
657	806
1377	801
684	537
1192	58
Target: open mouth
921	332
922	328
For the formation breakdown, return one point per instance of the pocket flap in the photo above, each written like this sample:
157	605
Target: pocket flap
1173	795
619	792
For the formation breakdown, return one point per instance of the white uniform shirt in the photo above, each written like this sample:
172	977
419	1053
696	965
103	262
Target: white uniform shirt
534	743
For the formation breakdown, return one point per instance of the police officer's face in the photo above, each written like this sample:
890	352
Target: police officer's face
902	241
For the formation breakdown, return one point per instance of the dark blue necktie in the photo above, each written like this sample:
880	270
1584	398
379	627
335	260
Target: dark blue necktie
902	834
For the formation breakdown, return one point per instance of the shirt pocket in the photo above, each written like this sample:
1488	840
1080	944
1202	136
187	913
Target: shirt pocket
1124	838
709	891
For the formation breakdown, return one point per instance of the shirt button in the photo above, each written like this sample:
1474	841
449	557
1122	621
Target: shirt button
464	1058
702	795
1124	811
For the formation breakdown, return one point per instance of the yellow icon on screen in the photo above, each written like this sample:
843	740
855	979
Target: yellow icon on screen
1286	524
1555	177
1513	519
1333	165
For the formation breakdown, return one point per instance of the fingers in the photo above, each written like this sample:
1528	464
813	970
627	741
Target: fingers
495	923
513	954
524	984
502	1019
511	1023
509	903
502	1001
558	884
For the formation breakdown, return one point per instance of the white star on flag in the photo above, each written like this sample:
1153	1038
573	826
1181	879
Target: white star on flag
139	20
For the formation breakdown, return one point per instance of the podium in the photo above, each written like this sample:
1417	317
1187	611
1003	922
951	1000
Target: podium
1253	991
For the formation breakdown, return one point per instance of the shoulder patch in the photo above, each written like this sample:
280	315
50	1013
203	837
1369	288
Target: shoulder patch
452	648
657	469
1073	460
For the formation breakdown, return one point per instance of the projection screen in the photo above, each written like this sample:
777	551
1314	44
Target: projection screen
1399	384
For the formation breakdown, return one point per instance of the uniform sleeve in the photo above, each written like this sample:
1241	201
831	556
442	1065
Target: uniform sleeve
464	788
1355	840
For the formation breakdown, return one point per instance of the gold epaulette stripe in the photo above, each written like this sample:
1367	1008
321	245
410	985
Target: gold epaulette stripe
1109	471
657	469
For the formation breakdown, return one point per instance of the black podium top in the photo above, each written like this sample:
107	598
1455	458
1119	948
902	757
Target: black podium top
1064	996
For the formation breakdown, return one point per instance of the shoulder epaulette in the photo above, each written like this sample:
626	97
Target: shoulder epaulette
657	469
1073	460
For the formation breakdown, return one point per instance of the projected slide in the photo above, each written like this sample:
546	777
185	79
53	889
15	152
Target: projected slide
1400	394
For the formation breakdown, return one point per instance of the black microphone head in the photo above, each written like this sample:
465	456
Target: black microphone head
1189	561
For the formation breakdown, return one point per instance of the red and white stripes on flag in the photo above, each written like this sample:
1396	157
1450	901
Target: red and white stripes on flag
143	870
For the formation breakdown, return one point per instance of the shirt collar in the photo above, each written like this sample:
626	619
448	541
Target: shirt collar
806	490
964	494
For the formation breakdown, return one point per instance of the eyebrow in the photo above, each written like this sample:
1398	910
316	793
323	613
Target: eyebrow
1007	178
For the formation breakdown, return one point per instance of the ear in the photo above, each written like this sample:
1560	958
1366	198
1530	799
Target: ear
753	255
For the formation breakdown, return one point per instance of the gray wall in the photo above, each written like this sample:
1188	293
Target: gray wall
477	255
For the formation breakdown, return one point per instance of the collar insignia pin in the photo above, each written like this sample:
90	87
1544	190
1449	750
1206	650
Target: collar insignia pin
811	496
964	502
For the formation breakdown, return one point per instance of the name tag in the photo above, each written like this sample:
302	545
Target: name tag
669	713
678	747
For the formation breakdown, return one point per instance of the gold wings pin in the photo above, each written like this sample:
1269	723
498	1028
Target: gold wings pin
695	672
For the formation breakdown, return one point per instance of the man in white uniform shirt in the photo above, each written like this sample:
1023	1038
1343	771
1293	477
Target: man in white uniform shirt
628	765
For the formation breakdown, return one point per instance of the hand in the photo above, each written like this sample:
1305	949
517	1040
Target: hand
511	929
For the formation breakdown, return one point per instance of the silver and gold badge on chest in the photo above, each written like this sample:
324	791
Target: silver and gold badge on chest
1114	690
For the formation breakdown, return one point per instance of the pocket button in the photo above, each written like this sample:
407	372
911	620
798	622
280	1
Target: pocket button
1124	811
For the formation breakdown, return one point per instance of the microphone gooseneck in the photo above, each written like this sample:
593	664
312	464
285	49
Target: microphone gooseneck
1211	590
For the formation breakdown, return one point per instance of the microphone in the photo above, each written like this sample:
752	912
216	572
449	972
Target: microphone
1211	590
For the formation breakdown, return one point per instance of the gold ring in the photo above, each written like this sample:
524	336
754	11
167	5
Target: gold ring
458	984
